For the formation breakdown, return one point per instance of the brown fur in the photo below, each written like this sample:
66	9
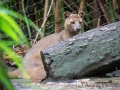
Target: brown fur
32	61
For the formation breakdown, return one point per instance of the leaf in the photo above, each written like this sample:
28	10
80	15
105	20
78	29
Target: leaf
7	28
3	78
13	24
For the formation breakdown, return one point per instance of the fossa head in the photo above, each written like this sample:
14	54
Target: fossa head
74	22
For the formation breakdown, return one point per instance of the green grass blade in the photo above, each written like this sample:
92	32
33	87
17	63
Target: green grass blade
3	76
13	26
26	20
16	15
13	56
7	28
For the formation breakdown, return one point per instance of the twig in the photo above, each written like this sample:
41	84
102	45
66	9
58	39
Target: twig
39	31
98	24
84	22
93	8
20	9
36	18
104	10
46	9
116	4
73	3
68	6
94	13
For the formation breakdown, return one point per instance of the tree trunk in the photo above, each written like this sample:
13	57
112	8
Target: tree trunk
94	52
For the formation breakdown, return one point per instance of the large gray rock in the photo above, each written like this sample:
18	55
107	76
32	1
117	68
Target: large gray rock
92	53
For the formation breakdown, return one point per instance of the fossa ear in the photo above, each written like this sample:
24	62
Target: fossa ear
81	14
67	14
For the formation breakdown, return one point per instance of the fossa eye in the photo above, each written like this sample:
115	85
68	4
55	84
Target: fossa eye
72	22
80	22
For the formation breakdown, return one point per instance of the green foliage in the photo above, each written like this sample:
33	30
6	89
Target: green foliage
23	9
4	81
10	27
111	11
87	18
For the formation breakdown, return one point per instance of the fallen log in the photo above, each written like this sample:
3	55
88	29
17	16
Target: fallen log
94	52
